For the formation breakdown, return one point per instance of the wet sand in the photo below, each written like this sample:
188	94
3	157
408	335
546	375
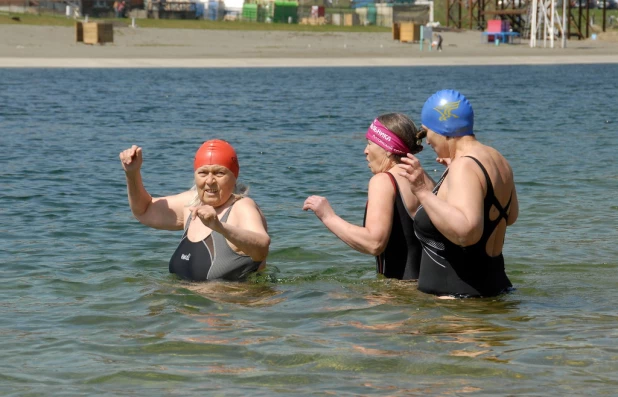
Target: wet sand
51	46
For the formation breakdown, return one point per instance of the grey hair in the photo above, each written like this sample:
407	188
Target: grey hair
240	191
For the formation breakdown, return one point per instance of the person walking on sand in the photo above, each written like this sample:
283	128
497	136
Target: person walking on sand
439	40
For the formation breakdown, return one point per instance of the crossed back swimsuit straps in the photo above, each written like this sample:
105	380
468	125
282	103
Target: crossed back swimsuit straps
210	258
449	269
402	257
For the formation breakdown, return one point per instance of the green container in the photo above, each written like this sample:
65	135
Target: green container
250	12
284	11
372	14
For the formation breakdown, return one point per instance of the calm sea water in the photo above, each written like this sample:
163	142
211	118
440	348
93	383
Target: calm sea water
87	305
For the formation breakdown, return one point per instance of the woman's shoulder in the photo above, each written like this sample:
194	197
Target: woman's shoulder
187	194
179	200
382	184
246	208
489	158
245	204
381	178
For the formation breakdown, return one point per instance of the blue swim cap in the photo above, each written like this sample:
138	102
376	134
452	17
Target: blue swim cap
448	113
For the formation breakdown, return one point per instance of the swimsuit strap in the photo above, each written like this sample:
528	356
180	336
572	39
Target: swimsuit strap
393	181
437	187
491	195
227	212
186	227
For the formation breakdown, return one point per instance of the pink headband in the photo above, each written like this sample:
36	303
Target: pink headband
386	139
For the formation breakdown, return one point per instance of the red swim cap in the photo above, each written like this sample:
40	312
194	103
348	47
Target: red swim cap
217	152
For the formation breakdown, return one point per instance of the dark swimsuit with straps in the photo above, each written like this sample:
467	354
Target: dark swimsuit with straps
449	269
402	257
210	258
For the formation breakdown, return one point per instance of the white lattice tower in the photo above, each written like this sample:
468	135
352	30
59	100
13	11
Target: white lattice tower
545	22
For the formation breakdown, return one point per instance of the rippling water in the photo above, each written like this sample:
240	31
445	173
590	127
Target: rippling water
88	307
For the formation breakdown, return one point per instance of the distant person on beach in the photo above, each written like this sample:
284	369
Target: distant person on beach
462	220
388	227
122	8
116	9
439	42
225	234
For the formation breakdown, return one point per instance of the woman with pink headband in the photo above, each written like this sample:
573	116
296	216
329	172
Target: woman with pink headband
388	229
225	234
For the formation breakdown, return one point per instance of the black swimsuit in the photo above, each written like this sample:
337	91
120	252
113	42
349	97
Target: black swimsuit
211	258
449	269
402	257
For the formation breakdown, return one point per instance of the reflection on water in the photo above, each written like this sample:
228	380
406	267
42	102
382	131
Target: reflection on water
243	294
88	306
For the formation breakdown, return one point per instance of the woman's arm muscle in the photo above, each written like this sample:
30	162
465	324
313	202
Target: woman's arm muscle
373	238
248	232
166	213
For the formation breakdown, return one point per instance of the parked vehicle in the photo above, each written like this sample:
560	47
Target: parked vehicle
582	3
607	4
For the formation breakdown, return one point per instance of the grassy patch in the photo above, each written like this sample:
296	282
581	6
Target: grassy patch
439	14
51	20
160	45
42	20
238	25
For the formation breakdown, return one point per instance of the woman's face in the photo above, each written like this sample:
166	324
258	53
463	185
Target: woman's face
438	143
377	158
215	184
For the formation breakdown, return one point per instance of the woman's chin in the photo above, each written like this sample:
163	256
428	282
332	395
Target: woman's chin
212	201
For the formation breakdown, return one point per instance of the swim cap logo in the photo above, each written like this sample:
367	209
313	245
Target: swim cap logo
446	109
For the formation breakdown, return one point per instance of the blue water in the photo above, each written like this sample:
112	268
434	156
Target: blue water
87	305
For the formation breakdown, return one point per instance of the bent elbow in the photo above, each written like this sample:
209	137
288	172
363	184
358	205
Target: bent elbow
263	252
139	213
140	218
267	245
511	219
469	237
376	248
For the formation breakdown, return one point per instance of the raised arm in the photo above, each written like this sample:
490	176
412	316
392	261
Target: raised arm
159	213
373	237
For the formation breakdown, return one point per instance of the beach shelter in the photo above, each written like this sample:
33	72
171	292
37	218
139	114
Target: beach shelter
233	7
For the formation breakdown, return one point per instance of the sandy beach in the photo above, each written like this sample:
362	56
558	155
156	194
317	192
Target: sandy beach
51	46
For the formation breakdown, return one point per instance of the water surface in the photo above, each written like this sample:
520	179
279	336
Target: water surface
88	306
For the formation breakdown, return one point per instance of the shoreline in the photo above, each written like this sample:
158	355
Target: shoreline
78	63
25	46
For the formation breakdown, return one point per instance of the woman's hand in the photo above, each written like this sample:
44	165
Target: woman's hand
131	159
320	206
445	161
414	173
208	216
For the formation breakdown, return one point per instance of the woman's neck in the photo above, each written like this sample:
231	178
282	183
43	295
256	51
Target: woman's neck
220	209
462	146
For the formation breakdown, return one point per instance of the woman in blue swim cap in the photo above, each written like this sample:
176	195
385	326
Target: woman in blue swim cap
462	221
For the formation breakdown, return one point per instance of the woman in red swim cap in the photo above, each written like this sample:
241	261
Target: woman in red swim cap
225	233
388	229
